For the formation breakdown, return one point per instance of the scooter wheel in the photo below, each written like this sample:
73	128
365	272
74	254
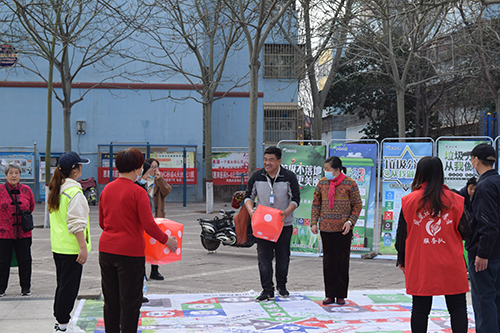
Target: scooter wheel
209	245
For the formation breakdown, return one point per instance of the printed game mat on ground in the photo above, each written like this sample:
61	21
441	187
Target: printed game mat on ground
382	311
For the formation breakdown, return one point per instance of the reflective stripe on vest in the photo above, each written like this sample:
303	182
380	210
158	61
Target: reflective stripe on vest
61	240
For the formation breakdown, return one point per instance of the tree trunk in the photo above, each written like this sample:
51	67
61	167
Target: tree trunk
400	98
207	107
66	87
252	119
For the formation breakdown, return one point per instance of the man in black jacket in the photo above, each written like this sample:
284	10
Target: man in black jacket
275	187
483	244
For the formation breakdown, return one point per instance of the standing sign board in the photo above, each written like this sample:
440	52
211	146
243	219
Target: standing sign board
399	163
25	159
457	168
171	166
360	161
307	164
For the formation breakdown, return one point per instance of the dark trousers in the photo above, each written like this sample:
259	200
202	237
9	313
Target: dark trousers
336	255
23	255
485	292
68	275
122	278
457	307
265	252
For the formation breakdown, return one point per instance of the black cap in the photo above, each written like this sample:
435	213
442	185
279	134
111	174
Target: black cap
484	152
69	159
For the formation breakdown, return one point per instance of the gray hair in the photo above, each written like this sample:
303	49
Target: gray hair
11	165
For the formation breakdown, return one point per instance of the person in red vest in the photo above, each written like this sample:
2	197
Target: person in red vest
431	226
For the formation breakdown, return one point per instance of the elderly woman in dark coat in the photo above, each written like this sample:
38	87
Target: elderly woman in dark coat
12	235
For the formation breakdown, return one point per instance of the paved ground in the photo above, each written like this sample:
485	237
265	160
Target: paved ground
230	269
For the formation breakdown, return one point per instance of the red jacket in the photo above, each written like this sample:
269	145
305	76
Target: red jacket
27	201
434	261
124	215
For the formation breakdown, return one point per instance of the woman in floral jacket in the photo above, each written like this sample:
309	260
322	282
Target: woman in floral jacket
336	207
12	235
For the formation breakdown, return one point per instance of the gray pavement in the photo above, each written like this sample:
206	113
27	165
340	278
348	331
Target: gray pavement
229	269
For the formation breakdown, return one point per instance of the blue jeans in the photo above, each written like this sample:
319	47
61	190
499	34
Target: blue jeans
266	250
485	287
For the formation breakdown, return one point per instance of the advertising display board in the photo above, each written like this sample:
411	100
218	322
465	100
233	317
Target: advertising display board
457	168
399	163
360	161
227	167
307	163
25	159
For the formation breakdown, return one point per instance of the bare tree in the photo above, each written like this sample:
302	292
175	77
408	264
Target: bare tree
482	24
84	32
257	18
323	32
179	32
396	32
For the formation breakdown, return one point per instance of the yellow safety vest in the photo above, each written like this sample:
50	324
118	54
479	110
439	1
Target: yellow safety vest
61	240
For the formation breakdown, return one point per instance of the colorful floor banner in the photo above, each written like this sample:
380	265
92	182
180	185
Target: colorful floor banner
366	311
307	163
399	163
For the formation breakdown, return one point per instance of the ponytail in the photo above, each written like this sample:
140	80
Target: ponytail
55	187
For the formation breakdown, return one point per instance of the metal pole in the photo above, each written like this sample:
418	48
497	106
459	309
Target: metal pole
184	185
242	181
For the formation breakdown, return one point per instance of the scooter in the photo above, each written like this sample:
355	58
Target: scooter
221	230
88	187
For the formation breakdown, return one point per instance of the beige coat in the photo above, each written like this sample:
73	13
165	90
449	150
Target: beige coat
160	192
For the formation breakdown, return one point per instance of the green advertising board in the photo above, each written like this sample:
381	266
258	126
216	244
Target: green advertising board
307	164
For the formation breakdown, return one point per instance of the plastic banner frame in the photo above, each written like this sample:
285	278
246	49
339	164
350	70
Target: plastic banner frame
381	156
296	219
459	139
231	173
376	217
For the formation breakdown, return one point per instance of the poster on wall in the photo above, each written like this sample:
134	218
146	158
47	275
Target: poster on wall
360	161
307	163
25	160
227	168
457	168
399	163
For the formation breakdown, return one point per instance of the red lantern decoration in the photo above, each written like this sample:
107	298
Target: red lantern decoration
158	253
267	223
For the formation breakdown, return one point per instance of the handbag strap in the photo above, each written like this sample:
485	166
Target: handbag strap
14	201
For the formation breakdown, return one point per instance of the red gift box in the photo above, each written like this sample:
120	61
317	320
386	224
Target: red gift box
158	253
267	223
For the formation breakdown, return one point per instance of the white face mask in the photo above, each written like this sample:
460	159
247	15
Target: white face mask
138	176
474	169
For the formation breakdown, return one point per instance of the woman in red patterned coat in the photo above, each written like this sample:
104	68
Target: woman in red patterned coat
336	207
12	235
431	226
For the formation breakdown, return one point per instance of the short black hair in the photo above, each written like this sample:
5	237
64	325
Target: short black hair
274	151
129	159
472	181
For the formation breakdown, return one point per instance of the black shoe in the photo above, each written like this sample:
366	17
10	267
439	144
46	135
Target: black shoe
283	292
26	293
156	276
265	296
145	299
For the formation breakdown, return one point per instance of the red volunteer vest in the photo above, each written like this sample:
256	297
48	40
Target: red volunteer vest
434	259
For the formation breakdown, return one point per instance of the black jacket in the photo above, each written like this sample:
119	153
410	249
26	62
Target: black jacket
484	239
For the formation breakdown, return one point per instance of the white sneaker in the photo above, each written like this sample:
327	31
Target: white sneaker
71	328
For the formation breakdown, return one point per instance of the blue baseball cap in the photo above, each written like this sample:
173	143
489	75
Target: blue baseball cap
70	158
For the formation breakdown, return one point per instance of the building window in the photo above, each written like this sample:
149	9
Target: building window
282	121
280	61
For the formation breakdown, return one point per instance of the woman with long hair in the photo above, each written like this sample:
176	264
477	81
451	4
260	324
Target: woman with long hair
124	215
336	207
431	226
69	235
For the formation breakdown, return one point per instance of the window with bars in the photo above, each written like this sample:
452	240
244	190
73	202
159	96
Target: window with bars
282	122
280	61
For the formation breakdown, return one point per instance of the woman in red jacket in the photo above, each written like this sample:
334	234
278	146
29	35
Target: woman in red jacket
124	215
432	224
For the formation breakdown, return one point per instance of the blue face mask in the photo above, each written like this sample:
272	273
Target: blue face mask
151	176
329	175
141	181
